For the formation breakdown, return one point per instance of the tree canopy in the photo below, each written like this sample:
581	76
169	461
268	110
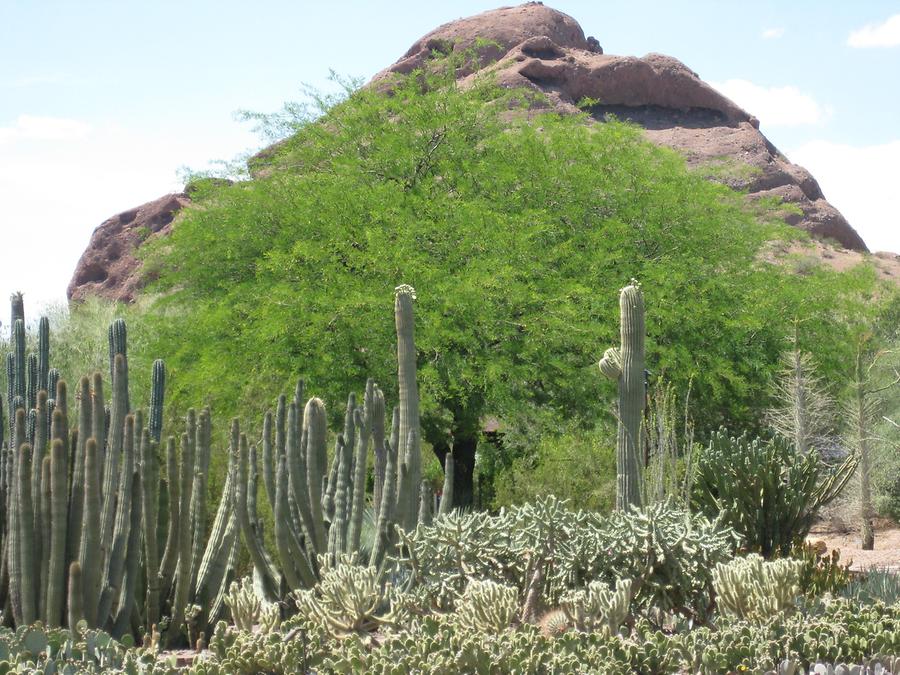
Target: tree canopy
517	228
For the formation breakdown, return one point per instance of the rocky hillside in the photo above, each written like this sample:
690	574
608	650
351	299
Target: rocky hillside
540	48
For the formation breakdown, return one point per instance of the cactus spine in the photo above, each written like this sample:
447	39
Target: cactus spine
625	365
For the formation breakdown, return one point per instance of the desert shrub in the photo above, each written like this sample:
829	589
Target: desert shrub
766	490
578	465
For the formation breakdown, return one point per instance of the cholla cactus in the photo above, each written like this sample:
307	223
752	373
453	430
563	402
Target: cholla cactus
244	604
349	599
752	588
597	607
487	606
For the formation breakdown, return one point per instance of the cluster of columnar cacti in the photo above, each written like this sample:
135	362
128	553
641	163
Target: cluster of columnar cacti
83	510
320	511
625	365
753	588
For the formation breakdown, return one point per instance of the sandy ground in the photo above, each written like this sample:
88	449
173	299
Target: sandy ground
885	556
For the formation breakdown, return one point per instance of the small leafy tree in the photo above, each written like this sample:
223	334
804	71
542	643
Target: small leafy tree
865	408
804	410
516	226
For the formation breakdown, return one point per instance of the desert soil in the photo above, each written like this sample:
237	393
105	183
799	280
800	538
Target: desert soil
885	556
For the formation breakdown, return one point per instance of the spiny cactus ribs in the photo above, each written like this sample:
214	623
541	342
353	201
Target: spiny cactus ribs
625	365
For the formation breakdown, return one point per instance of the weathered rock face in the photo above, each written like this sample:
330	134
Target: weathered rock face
108	268
543	49
540	48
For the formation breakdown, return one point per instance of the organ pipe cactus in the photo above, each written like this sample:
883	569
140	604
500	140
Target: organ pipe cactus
157	397
81	533
625	365
447	493
320	511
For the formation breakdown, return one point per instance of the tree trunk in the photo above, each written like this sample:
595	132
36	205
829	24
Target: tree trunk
464	446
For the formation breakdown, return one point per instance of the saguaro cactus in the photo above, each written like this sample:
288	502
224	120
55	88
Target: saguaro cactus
625	365
408	453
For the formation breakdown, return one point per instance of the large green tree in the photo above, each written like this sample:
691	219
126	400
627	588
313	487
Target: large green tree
516	228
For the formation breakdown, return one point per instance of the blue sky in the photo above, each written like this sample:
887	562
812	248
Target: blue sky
102	102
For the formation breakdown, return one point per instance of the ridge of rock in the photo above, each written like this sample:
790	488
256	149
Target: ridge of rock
540	48
109	268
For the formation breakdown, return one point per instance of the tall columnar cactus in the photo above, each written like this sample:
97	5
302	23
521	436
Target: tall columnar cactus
373	407
116	441
31	381
149	466
315	431
58	526
19	361
28	577
81	539
447	494
89	553
44	354
17	309
157	398
409	451
626	364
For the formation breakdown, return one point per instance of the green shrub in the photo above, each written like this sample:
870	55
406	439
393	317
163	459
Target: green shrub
576	465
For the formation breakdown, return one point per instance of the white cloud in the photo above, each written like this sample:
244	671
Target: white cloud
55	193
860	181
29	127
884	34
772	33
775	106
